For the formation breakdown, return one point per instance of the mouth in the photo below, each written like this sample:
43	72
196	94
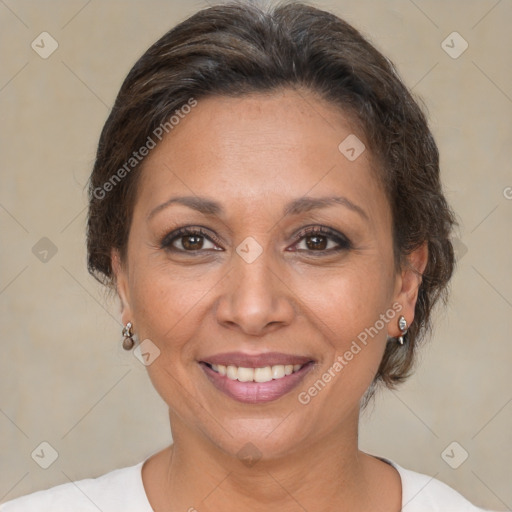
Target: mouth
261	374
256	379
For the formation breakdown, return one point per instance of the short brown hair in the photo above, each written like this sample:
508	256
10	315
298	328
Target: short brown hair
240	48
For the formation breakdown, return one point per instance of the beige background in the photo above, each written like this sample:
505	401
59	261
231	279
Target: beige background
64	376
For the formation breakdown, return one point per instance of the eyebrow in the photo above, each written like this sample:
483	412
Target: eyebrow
306	204
301	205
201	204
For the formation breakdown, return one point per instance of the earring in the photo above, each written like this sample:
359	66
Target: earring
128	341
402	325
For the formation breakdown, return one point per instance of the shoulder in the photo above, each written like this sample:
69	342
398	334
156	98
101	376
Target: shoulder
423	493
120	489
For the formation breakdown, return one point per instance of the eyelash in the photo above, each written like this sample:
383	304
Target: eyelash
343	242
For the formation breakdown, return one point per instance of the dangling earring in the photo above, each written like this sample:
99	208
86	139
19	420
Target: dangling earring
402	325
128	340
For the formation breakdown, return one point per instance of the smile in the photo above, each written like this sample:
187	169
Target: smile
263	374
255	379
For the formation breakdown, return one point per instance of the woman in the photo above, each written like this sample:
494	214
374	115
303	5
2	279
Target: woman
266	202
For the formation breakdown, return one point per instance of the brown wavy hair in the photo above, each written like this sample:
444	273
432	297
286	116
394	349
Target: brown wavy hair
240	48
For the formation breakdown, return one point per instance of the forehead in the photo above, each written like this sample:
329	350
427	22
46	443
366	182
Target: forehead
258	148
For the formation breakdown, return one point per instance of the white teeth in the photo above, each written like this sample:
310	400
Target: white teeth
231	372
245	374
278	371
263	374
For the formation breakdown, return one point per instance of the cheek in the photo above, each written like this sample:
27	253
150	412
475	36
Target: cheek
349	309
163	297
166	311
162	308
173	309
348	312
347	300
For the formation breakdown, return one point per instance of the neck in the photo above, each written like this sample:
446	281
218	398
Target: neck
328	474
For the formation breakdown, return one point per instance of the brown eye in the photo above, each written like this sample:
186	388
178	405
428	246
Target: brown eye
192	242
189	240
316	242
321	240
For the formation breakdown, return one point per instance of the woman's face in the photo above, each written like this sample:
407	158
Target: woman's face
252	290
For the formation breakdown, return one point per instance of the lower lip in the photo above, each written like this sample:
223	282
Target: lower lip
256	392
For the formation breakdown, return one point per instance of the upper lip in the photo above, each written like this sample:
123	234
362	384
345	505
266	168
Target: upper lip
255	360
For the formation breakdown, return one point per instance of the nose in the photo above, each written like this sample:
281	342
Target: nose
255	298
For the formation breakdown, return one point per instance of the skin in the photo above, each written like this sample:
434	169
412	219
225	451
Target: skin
255	154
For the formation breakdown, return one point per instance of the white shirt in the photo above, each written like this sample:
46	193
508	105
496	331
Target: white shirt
122	490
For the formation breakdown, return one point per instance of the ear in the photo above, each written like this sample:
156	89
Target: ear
121	280
408	284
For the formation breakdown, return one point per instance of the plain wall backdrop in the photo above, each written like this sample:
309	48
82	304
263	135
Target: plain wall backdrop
65	379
